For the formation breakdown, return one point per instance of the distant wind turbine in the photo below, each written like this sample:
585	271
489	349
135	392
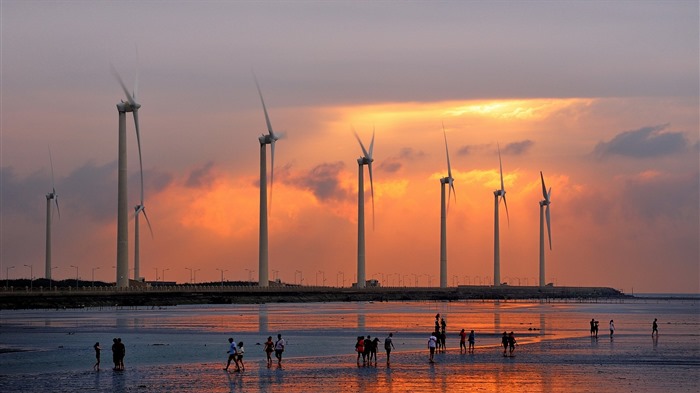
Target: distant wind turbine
265	139
366	159
443	214
122	279
501	193
49	213
547	194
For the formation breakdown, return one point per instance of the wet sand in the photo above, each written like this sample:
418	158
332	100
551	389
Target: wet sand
183	350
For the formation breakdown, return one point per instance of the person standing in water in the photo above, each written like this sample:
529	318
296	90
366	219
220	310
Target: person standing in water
655	328
462	341
612	328
97	356
504	342
432	344
511	343
471	342
388	346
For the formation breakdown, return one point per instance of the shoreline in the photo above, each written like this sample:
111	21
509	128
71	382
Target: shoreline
188	294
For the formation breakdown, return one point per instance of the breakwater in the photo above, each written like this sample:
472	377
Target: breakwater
190	294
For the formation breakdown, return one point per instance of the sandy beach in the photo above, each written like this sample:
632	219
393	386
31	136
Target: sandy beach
555	352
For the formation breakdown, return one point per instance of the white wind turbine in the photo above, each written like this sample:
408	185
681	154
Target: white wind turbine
52	196
122	279
501	193
265	139
366	159
443	214
547	194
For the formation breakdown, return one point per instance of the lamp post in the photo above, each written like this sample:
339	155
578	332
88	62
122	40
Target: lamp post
162	276
93	275
195	275
301	278
190	269
77	284
250	274
222	276
275	275
336	278
156	273
7	276
415	279
31	276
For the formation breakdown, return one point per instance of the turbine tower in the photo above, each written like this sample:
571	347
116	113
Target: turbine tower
49	212
443	214
498	194
122	279
265	139
545	202
365	159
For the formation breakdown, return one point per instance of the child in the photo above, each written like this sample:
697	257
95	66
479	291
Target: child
239	356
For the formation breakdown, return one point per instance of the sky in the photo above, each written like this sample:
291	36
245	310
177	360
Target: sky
601	97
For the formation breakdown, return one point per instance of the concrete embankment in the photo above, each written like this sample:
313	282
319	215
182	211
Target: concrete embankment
182	294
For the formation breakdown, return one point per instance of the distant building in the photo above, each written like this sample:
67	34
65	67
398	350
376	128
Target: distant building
373	283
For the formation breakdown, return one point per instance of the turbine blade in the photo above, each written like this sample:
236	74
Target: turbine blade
52	178
143	209
55	199
138	142
506	205
136	80
452	187
447	153
121	82
549	194
500	165
267	118
371	187
272	172
544	189
364	151
371	145
549	229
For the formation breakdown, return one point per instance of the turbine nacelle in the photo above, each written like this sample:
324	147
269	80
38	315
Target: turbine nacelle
365	160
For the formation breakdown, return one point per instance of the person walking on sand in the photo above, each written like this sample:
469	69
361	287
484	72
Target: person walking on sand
432	344
655	328
595	328
239	356
232	349
504	342
360	349
471	342
592	326
279	349
462	341
97	356
368	348
269	348
388	346
612	328
511	343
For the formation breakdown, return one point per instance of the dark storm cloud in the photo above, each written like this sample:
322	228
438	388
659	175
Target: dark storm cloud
642	143
323	181
670	197
200	176
518	148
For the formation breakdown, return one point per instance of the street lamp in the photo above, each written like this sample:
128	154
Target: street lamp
222	276
415	278
190	269
336	278
156	273
93	275
77	284
31	276
195	275
7	276
250	274
301	278
275	275
162	276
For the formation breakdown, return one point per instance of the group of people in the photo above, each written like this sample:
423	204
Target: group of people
508	342
594	328
236	351
462	342
118	353
366	349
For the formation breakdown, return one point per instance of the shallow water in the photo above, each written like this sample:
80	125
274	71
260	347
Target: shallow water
182	348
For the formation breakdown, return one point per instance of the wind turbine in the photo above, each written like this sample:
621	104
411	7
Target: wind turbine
265	139
365	159
498	194
122	279
547	194
443	214
49	212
